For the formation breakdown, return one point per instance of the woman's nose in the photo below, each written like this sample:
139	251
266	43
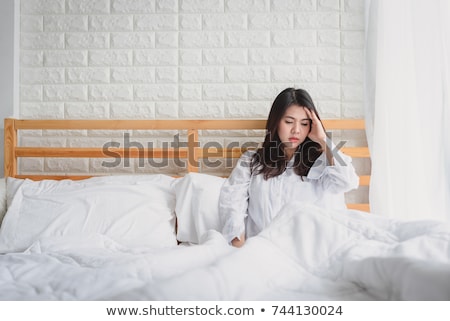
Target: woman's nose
296	128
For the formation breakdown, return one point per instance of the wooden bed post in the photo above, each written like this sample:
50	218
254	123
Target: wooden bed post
10	165
193	146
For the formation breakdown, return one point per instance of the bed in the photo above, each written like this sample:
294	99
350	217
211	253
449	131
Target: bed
154	236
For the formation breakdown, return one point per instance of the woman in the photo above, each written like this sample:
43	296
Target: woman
294	163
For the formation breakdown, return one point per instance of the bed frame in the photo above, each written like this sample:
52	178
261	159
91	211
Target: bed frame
192	152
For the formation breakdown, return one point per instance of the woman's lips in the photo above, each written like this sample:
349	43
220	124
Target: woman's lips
293	139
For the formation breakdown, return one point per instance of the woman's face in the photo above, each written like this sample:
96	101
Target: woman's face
293	128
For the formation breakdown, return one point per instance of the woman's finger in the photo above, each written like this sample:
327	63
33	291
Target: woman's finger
309	114
312	116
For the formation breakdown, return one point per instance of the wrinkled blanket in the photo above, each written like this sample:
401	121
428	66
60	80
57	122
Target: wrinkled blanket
307	253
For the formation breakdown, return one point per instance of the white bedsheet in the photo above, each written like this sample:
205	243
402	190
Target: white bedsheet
305	254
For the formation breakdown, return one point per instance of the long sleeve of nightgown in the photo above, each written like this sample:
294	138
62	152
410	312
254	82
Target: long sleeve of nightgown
233	201
338	178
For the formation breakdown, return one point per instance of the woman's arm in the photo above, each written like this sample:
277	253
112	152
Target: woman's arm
333	169
233	202
339	176
328	153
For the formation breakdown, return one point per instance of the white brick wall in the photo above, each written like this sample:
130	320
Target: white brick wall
186	58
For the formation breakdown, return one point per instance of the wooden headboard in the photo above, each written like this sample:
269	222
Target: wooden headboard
192	152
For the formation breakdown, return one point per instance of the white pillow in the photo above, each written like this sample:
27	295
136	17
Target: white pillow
197	205
135	211
12	185
2	198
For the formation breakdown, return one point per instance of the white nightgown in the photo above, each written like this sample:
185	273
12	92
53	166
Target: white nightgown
249	202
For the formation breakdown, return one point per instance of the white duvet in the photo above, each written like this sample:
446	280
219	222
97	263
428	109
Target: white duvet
305	254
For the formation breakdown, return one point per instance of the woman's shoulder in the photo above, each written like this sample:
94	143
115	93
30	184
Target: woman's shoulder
245	163
247	156
249	153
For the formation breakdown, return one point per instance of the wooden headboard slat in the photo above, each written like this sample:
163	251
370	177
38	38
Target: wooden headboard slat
364	180
356	152
99	152
54	177
360	207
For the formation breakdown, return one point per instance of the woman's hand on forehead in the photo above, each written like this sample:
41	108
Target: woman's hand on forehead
317	132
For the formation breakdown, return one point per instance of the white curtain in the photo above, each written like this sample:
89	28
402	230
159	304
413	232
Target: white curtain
407	89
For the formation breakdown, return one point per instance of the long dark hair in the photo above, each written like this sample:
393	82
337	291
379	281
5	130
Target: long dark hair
270	159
